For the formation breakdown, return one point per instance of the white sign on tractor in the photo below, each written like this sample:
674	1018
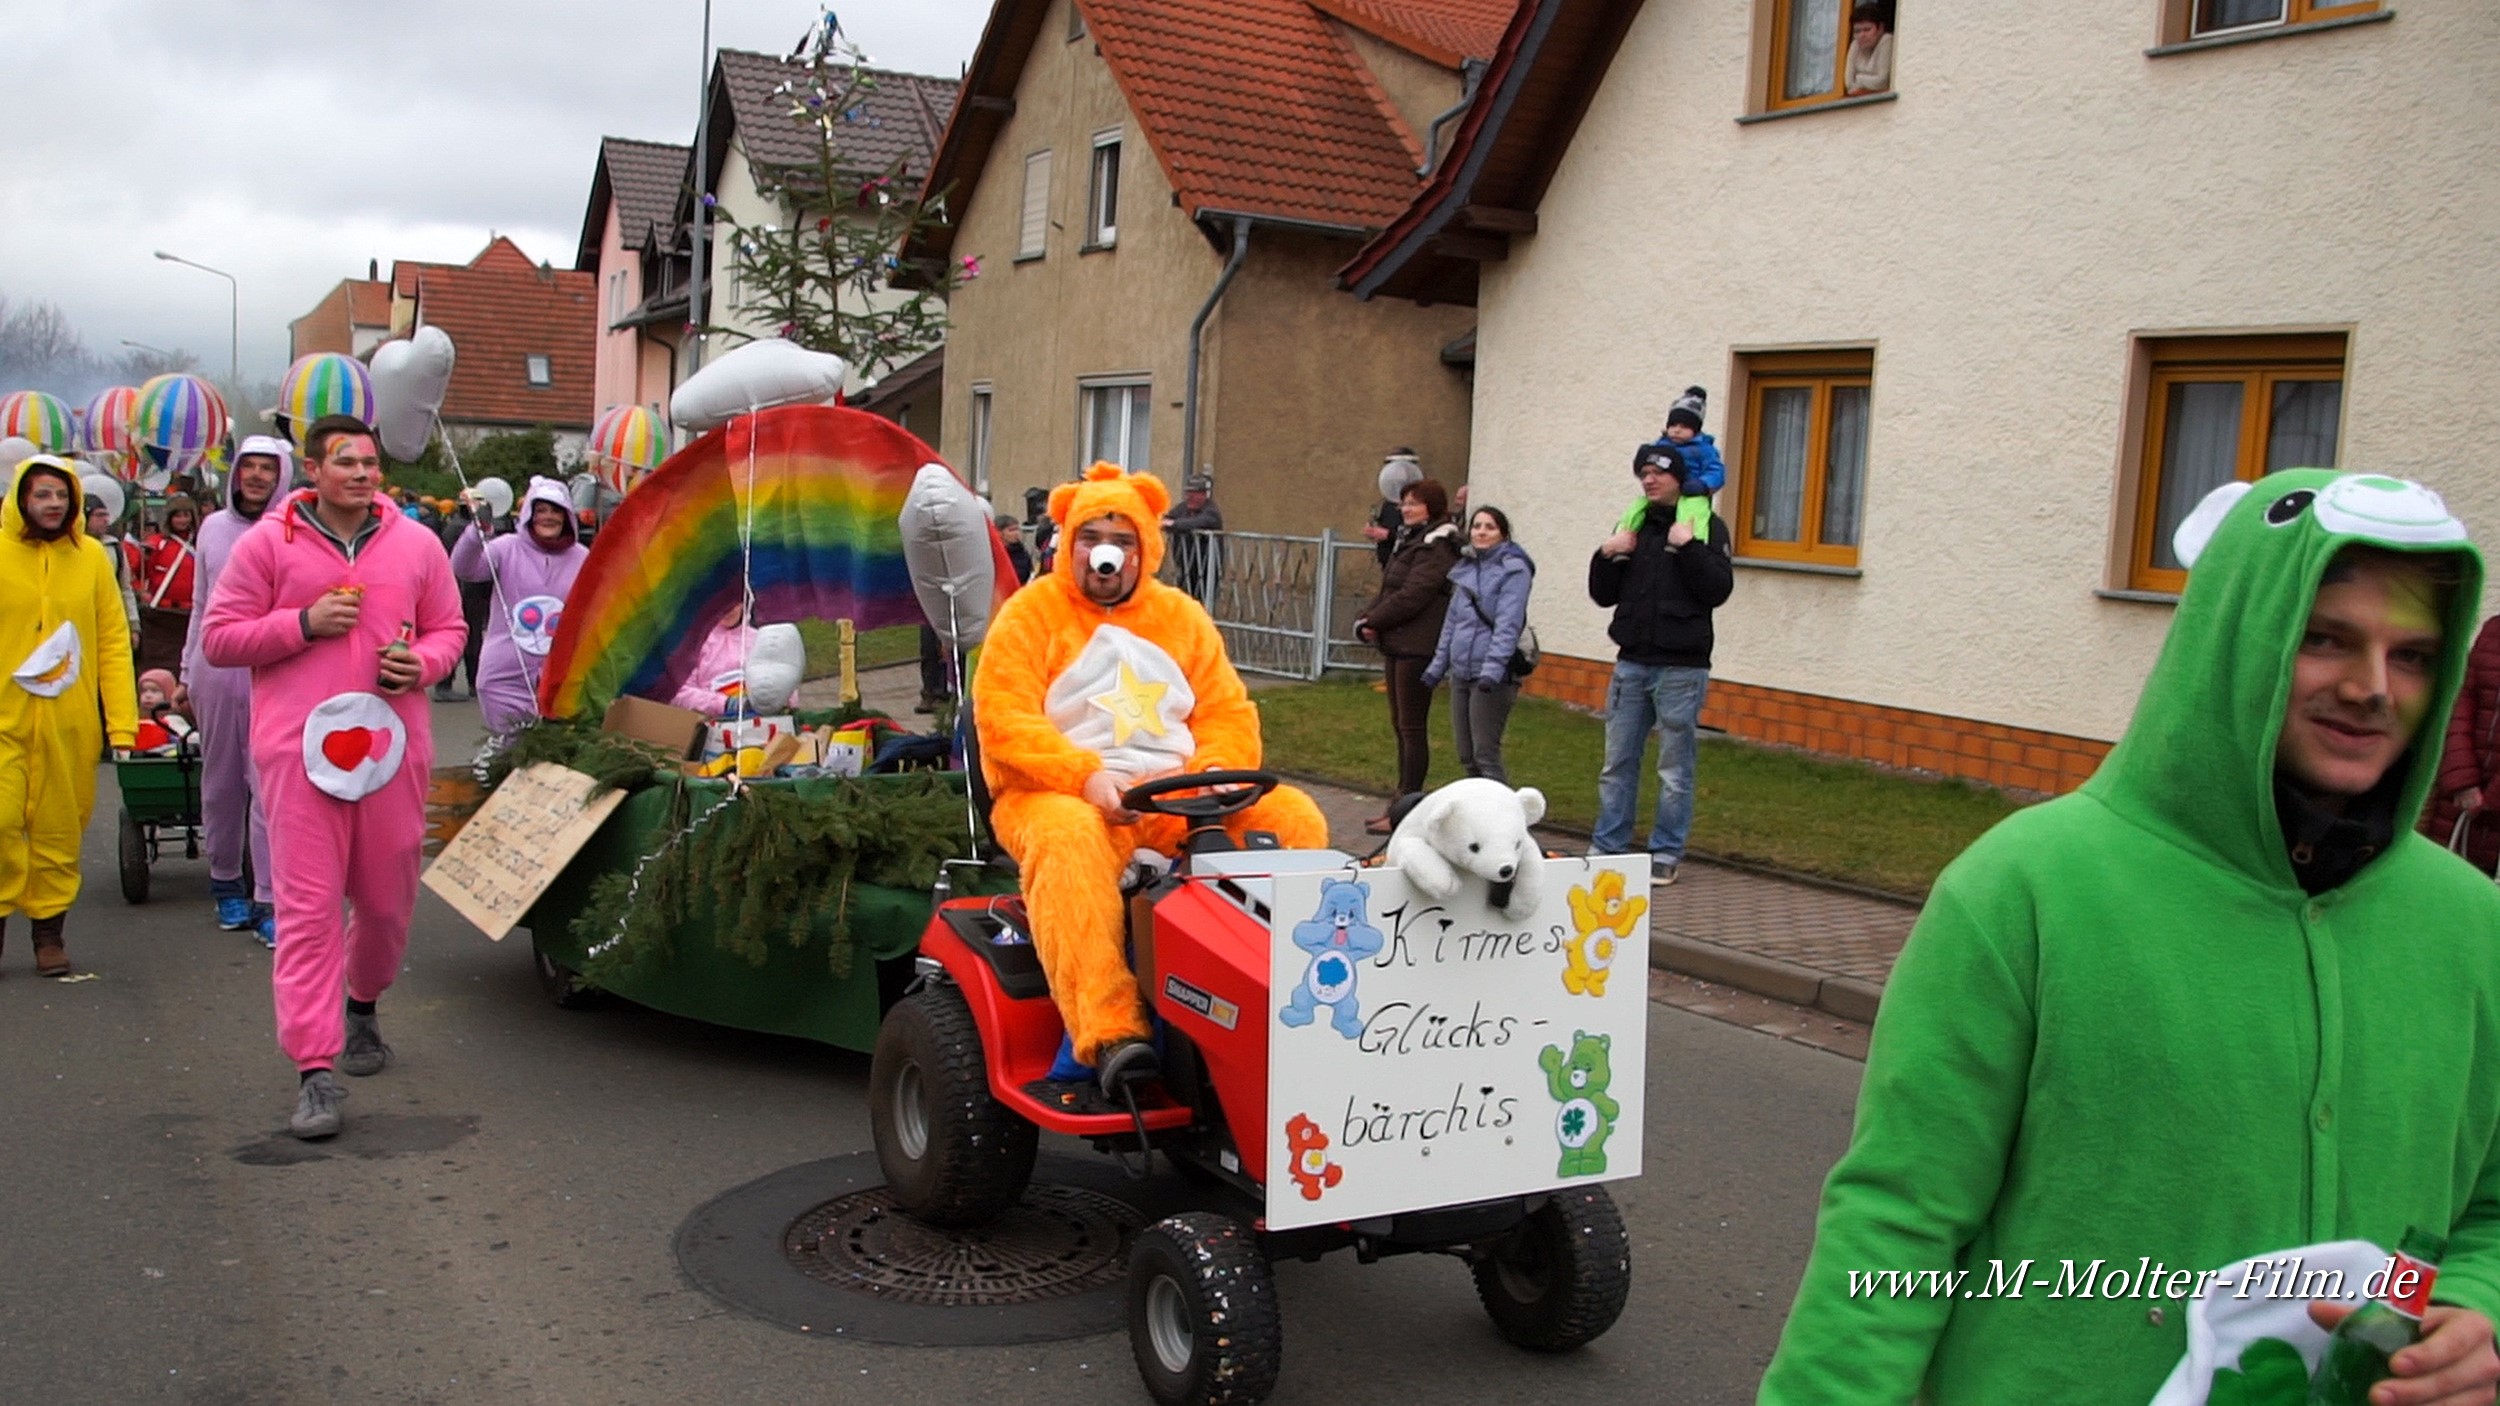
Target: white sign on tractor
1433	1052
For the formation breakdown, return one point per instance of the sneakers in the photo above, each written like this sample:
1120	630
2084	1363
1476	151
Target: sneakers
317	1102
1662	872
265	926
443	693
234	904
365	1053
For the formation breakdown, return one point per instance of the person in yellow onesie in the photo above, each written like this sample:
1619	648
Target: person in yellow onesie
66	645
1094	678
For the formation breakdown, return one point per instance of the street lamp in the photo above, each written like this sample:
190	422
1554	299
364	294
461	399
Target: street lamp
142	346
234	309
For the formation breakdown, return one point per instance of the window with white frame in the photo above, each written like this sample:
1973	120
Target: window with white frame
541	370
1102	201
981	404
1115	416
1035	233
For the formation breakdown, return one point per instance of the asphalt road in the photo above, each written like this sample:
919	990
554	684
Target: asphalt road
496	1223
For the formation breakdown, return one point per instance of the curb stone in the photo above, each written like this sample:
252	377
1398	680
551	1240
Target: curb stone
1844	996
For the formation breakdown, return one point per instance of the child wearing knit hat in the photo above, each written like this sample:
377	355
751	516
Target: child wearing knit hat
1693	457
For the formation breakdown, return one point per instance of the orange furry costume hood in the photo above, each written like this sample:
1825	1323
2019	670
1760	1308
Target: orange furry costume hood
1108	491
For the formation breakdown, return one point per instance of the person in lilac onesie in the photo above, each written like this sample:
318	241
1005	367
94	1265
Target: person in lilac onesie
532	571
231	817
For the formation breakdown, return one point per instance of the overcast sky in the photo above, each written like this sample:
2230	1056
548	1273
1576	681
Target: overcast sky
288	141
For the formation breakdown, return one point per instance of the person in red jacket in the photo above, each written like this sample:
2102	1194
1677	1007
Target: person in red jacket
2469	767
170	563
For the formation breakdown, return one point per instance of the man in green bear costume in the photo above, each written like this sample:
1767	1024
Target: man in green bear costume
2221	1001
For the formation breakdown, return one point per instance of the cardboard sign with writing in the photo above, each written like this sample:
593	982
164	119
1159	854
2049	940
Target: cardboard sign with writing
513	848
1432	1052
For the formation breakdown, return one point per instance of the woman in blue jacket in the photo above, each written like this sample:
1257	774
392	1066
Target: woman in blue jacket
1488	615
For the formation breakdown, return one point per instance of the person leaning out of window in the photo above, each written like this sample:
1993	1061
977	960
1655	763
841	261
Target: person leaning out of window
1870	52
1480	636
1404	623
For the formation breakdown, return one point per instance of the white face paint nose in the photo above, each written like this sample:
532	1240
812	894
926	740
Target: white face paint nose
1106	559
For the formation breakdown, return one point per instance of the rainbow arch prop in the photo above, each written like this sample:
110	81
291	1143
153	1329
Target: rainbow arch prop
829	485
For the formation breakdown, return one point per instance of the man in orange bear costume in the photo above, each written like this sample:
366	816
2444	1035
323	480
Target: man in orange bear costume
1093	679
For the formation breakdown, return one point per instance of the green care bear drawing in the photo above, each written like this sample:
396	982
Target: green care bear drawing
1578	1082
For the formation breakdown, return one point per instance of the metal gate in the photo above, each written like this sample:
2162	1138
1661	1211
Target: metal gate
1286	605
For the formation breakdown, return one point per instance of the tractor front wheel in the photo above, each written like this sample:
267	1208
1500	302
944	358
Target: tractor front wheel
1560	1279
1202	1314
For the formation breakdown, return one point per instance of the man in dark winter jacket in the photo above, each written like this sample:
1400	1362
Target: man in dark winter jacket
1663	578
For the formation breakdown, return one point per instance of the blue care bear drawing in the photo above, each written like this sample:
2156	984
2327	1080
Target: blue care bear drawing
1338	937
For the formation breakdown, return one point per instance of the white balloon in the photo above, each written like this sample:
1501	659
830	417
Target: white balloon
498	496
104	490
757	376
410	378
776	660
15	451
946	544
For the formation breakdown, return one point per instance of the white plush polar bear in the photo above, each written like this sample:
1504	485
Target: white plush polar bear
1477	826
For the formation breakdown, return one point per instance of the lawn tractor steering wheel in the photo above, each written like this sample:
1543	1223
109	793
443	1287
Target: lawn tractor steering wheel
1227	792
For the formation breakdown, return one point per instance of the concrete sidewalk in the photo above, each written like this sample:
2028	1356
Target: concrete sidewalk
1778	937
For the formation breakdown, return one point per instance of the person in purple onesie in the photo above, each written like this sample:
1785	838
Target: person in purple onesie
231	818
531	571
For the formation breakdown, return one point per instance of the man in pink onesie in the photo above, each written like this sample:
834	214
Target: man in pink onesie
344	612
231	819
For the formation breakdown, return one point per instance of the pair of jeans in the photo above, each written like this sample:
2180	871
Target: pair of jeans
1639	697
1410	718
1478	713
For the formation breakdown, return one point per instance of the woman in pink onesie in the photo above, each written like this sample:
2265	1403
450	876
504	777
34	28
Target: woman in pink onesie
344	613
532	571
231	818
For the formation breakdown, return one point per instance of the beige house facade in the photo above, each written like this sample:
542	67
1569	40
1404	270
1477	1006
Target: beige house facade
1103	225
1975	343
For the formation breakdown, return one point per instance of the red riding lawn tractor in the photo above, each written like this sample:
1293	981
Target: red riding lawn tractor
959	1096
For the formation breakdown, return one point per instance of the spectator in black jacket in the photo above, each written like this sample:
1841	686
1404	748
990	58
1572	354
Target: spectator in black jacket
1662	579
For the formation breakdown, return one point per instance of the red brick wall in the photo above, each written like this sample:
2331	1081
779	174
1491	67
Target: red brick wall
2016	758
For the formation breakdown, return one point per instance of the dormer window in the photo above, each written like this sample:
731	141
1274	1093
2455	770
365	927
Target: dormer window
541	371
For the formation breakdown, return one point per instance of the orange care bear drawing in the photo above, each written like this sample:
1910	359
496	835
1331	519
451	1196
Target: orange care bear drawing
1306	1150
1600	917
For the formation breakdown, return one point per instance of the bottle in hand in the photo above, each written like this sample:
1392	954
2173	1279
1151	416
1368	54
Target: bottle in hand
2356	1357
401	646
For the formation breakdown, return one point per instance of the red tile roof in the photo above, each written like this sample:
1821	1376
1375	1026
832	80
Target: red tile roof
368	303
499	311
1251	107
1255	108
1444	31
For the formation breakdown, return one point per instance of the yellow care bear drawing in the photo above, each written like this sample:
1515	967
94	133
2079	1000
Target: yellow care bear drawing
1600	917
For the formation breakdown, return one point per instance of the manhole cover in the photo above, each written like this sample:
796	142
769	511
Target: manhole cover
1061	1240
820	1248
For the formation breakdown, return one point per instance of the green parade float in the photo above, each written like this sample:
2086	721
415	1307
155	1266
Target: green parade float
777	903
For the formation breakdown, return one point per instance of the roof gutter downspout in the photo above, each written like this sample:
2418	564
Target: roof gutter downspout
1197	335
1473	71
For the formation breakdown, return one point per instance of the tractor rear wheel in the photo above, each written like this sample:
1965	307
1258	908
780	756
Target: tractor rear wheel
953	1156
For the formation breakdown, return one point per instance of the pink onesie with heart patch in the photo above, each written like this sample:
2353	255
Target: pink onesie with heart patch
342	766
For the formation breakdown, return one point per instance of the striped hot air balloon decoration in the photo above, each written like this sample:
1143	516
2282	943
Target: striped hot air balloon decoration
323	383
104	431
42	418
178	419
625	444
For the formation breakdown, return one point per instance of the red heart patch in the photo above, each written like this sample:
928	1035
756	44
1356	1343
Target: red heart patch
349	747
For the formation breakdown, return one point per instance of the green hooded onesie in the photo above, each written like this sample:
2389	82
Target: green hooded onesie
2121	1032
